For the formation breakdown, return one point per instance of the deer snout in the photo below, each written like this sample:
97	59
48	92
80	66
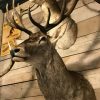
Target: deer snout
14	51
18	55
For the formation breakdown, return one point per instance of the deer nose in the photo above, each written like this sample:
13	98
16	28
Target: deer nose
13	51
16	50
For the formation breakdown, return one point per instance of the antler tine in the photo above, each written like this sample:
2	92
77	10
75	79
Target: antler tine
61	17
72	8
62	14
13	22
19	27
34	22
7	19
48	19
18	16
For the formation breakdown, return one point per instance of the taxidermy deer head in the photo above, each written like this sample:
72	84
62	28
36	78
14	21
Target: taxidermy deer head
55	81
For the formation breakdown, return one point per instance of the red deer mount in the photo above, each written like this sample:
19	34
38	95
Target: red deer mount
56	82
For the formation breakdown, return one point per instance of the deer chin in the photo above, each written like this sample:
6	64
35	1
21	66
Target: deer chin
19	58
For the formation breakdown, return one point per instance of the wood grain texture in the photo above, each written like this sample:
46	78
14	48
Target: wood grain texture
20	90
83	61
97	92
86	12
80	3
25	91
32	98
16	76
83	44
27	74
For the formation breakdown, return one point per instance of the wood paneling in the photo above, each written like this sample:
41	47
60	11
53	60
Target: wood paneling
81	3
97	92
17	65
83	61
27	74
32	98
86	12
19	75
25	91
89	26
83	44
84	56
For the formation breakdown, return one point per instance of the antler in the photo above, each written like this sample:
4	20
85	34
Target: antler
45	28
72	8
12	21
62	16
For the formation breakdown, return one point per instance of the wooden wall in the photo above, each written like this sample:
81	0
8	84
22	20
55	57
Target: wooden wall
84	56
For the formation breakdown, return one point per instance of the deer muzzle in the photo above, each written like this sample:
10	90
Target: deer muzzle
18	55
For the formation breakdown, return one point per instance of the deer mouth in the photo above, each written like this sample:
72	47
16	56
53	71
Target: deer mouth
19	58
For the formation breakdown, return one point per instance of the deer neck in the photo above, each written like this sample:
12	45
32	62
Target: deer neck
51	64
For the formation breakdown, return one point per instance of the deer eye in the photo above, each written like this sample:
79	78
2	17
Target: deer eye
42	39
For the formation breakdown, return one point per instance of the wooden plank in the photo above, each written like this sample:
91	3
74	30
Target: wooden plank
19	75
32	98
97	92
27	74
80	3
82	44
17	65
90	11
83	61
89	26
20	90
29	89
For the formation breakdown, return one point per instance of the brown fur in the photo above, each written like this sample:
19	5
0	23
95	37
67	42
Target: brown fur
55	81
